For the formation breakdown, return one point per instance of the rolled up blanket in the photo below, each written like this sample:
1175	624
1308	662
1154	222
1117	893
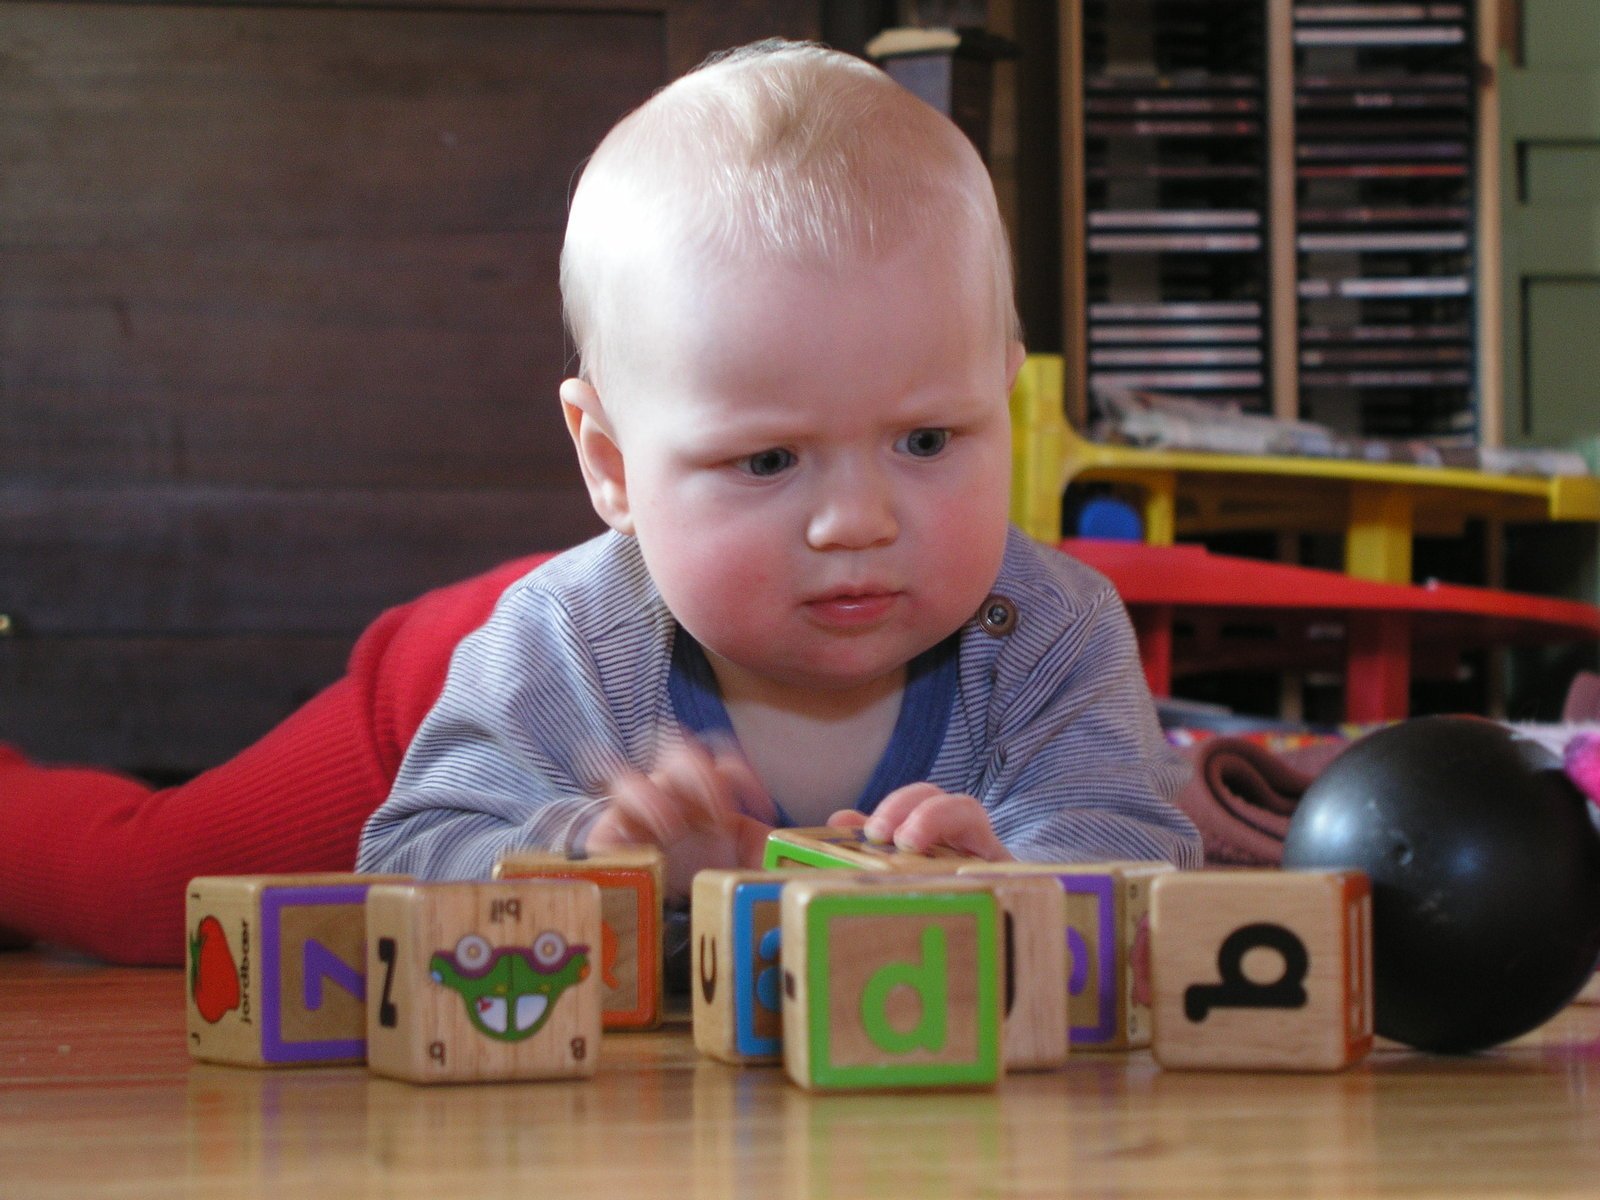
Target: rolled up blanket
1242	794
1243	789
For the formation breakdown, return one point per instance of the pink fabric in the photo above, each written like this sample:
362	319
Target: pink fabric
1241	796
1583	699
1582	761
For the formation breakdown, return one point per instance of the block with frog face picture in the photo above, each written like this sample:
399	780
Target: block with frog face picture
629	957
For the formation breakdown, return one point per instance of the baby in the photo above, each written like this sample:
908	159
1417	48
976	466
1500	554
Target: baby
791	294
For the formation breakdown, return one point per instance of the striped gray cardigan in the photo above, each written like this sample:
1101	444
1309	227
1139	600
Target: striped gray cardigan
1052	730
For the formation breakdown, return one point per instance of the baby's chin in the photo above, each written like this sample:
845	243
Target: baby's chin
840	684
846	667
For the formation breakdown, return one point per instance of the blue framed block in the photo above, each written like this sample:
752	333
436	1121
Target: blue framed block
736	975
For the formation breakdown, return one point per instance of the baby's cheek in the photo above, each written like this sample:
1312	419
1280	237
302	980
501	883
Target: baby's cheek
732	572
725	597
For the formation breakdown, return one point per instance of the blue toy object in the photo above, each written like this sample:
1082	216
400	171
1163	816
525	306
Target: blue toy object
1111	519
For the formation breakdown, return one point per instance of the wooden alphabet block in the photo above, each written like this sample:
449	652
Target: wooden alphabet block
1262	969
1107	946
891	982
849	849
277	968
630	958
481	981
736	981
1033	913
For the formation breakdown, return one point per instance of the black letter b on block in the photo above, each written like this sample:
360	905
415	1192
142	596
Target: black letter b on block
1235	990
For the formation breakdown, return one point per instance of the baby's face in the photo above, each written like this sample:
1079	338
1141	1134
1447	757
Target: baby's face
818	462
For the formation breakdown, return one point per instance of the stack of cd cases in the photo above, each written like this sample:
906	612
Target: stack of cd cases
1384	214
1174	174
1192	193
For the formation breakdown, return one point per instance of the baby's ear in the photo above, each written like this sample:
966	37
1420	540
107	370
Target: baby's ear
1016	355
599	456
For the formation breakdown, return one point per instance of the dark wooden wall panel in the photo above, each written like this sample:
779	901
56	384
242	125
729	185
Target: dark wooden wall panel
206	561
296	246
427	362
280	333
161	704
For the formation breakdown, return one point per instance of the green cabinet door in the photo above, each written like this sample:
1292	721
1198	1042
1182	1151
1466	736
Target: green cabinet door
1550	163
1550	189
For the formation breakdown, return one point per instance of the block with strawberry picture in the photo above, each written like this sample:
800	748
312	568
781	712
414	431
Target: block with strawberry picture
276	969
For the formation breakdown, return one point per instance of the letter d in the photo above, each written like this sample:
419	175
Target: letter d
927	979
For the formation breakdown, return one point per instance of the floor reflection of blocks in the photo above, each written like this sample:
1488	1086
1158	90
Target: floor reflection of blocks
422	1132
247	1124
1326	1120
946	1144
738	1129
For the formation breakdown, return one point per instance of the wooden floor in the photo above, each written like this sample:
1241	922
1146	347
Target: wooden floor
98	1097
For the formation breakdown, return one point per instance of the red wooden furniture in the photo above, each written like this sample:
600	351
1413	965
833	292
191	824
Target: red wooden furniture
1245	613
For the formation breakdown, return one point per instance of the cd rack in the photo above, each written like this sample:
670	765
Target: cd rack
1175	201
1384	102
1283	204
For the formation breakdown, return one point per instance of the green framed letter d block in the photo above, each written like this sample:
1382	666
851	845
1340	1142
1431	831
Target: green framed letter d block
892	983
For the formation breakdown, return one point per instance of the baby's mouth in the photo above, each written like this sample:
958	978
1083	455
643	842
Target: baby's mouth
851	608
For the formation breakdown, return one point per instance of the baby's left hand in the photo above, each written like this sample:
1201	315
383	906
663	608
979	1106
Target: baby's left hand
920	816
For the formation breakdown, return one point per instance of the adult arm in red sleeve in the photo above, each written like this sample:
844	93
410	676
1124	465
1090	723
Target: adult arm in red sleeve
98	862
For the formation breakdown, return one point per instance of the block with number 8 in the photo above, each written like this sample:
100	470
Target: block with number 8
482	981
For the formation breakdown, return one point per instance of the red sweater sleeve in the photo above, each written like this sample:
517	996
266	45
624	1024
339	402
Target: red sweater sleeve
98	862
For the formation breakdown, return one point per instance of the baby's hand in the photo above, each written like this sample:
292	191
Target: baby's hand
920	816
702	808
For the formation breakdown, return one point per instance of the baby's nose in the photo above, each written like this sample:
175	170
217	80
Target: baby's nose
855	510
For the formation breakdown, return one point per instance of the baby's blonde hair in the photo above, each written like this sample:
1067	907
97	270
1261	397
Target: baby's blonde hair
780	152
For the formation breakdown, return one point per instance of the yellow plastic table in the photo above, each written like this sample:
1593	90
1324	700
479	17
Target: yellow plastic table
1378	508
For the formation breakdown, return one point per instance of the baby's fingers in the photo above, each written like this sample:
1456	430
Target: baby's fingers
884	823
749	793
750	840
704	795
958	822
647	808
639	814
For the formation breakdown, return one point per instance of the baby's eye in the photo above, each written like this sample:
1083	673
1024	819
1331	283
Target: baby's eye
925	443
769	462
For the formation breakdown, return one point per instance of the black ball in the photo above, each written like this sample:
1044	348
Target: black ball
1485	871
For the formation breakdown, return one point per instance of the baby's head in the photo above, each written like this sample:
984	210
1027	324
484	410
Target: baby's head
776	154
791	294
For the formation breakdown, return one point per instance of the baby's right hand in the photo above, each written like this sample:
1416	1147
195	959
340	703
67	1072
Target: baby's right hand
702	808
